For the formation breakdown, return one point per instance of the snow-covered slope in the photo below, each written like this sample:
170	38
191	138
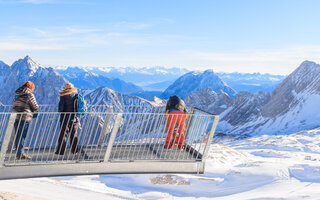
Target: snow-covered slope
294	104
106	96
194	81
85	79
260	167
47	81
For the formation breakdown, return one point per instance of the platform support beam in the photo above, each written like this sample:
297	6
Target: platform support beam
7	138
113	137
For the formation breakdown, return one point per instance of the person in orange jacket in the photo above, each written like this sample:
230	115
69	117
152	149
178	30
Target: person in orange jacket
176	114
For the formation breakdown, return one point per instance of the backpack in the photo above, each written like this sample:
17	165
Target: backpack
80	105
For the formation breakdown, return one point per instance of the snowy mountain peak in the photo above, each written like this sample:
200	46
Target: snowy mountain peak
27	65
194	81
76	69
294	89
47	81
308	63
3	66
307	71
209	71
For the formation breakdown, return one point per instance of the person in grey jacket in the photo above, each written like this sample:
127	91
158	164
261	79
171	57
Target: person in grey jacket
23	102
69	123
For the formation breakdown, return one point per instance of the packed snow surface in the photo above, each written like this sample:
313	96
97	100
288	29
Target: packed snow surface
259	167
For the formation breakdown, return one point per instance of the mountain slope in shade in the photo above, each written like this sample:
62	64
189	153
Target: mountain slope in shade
85	79
292	106
47	81
233	111
210	101
304	80
246	107
195	81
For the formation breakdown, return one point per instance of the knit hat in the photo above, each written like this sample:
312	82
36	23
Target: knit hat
68	86
30	85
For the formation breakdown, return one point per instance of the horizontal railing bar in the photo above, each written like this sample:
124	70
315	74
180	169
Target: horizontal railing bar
114	113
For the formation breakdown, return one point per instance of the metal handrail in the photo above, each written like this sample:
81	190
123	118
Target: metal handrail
95	108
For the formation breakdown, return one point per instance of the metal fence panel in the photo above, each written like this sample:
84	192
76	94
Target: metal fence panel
107	135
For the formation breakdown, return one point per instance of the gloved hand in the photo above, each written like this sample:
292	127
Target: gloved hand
167	112
35	115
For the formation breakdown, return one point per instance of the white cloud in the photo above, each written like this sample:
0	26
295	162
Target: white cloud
56	31
74	37
155	49
123	34
23	46
131	26
38	2
259	55
277	61
167	20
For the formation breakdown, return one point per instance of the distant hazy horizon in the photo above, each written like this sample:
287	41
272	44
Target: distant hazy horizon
183	70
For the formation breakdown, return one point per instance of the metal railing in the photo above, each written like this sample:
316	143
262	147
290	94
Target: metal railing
136	134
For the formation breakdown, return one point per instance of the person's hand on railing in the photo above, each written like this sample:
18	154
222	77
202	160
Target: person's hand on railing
187	115
35	115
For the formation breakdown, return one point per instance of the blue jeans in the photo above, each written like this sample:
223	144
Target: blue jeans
21	133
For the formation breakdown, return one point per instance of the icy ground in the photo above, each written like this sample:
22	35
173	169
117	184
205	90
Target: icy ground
262	167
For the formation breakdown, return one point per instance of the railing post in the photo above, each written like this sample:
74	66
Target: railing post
7	138
105	126
191	114
113	136
209	140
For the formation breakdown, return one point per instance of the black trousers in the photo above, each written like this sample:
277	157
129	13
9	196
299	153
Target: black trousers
65	129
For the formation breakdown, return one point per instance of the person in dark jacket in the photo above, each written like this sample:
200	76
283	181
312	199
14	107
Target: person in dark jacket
69	123
23	102
176	113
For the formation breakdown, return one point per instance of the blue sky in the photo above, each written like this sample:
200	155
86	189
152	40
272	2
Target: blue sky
267	36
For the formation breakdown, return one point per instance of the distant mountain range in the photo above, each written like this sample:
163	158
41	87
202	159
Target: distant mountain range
254	82
49	82
161	77
146	82
148	78
292	105
85	79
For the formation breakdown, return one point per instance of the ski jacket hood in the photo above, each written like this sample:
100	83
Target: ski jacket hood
68	91
24	102
176	103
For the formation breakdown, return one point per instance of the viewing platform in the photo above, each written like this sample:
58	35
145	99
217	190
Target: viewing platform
111	140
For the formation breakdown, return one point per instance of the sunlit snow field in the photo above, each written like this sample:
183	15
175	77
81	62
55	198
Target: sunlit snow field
262	167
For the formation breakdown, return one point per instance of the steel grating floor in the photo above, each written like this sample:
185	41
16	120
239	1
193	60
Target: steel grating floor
125	153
